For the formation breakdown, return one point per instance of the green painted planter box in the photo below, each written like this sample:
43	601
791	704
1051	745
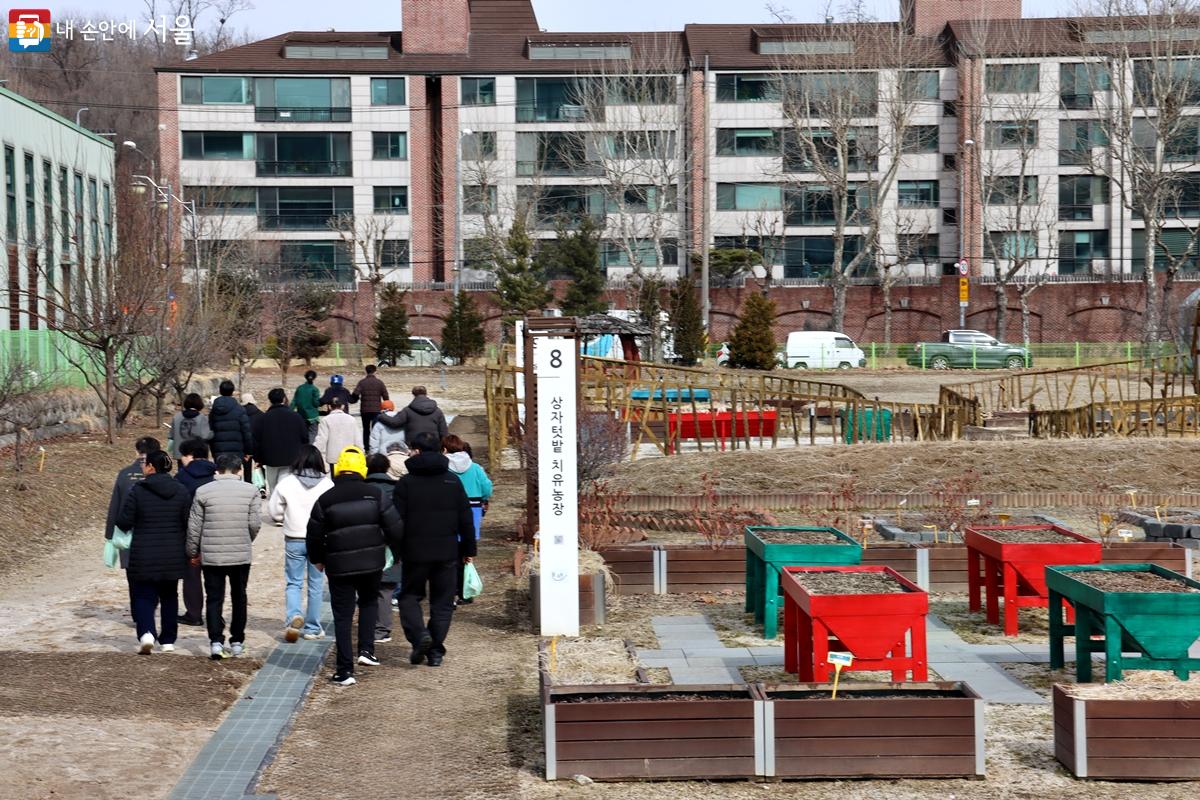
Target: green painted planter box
766	560
1141	630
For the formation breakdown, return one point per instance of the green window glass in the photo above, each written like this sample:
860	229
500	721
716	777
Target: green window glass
389	146
747	142
214	89
917	194
1012	245
919	84
1010	190
478	91
1011	78
749	197
387	92
391	199
920	139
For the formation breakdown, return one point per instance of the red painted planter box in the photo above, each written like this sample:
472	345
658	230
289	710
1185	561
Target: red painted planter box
875	628
1016	571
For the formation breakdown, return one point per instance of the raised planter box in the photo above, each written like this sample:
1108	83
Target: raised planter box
765	560
592	606
645	732
634	568
699	568
1141	740
911	730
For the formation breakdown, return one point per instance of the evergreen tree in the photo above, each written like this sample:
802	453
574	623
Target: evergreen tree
520	285
687	323
314	303
462	336
577	254
727	264
753	343
649	304
390	339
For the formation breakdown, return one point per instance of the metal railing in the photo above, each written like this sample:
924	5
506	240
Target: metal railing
337	169
302	114
297	222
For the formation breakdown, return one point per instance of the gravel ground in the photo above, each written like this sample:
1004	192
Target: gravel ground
848	583
1029	537
1113	581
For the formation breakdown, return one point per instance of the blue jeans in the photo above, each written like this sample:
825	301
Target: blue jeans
295	564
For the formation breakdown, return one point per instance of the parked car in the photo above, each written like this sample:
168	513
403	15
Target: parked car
423	352
963	349
822	350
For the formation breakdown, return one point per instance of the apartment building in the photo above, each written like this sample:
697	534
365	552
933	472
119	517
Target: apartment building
410	153
57	230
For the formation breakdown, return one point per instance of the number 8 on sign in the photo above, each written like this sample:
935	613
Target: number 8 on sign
556	359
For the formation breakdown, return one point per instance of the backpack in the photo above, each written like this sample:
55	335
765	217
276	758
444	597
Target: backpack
187	428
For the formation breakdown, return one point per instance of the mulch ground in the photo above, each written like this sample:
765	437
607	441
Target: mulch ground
848	583
1030	537
799	537
1121	581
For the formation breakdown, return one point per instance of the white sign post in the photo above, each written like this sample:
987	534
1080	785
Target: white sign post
554	363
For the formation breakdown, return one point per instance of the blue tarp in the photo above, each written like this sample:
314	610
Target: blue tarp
673	395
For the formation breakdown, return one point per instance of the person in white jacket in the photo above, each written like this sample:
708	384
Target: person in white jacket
337	431
387	431
291	505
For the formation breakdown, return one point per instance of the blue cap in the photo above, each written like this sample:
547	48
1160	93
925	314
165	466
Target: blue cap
337	380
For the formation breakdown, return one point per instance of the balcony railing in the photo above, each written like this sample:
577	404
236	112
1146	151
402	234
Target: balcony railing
301	114
1074	158
316	272
1075	212
297	222
558	168
337	169
558	112
1076	101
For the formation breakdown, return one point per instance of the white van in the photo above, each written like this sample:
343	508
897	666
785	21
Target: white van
823	350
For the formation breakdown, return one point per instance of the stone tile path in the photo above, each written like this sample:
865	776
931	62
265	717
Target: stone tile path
690	648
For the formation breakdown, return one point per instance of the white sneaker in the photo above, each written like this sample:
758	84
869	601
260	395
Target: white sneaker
145	644
236	649
369	659
167	648
218	651
311	636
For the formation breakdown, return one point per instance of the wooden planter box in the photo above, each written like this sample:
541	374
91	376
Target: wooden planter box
674	733
699	568
911	730
592	607
1147	740
633	568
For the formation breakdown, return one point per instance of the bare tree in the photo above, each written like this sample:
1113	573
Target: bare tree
365	238
908	234
23	402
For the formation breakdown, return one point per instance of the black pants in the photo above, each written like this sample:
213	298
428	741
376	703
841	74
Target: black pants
214	587
368	420
442	582
313	425
344	594
193	594
149	596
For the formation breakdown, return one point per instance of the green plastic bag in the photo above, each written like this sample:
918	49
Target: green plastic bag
122	540
472	583
260	479
112	556
388	559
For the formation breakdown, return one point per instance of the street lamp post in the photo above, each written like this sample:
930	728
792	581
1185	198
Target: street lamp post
165	197
968	146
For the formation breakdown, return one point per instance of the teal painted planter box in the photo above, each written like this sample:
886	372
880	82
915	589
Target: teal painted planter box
766	560
1157	628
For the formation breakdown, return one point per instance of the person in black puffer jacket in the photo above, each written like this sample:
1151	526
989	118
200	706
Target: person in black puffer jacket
348	532
156	510
439	538
230	425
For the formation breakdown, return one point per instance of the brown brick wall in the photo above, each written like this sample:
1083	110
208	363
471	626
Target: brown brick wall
420	196
168	134
929	17
436	26
449	182
698	149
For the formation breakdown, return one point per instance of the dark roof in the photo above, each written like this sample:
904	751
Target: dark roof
503	16
601	324
736	46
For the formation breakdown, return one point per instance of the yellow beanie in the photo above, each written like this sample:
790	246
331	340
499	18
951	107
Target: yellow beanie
351	460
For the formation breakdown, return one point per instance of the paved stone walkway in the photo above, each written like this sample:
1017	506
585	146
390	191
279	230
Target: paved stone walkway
690	648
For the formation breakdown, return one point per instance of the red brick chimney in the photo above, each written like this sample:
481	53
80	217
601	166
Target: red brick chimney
436	26
928	17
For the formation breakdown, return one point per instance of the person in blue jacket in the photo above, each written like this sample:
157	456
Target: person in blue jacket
476	483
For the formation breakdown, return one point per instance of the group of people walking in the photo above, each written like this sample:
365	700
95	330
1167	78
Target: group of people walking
393	522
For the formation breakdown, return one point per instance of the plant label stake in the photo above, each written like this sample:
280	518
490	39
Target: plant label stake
840	661
867	527
1158	513
1125	534
1132	498
900	513
554	654
42	460
1004	518
973	503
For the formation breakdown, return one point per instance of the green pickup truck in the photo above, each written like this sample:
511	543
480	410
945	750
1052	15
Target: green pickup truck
969	350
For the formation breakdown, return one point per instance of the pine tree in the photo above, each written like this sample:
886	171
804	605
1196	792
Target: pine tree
649	304
520	285
314	303
577	253
462	336
687	323
390	339
753	343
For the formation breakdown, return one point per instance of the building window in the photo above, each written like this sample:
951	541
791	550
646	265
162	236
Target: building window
392	253
641	90
919	84
1178	246
335	52
391	199
641	200
388	92
218	146
561	204
479	146
301	154
753	87
108	223
302	100
812	256
748	142
79	234
1077	249
640	144
1183	137
1010	190
214	89
303	208
478	91
555	153
1173	81
31	234
64	212
325	261
1012	134
1076	138
817	94
559	100
479	199
10	192
223	199
94	217
623	253
917	194
860	146
813	204
579	52
920	139
804	47
48	211
1011	78
1079	83
918	248
389	146
1077	194
1011	245
749	197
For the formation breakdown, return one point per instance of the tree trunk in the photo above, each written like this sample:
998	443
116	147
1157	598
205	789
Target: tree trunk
18	449
110	390
838	318
1024	298
1150	322
1001	310
158	409
887	314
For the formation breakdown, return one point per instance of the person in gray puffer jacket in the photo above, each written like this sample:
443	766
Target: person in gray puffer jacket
225	519
422	415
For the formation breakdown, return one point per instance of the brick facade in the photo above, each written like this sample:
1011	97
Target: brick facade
420	192
168	130
436	26
929	17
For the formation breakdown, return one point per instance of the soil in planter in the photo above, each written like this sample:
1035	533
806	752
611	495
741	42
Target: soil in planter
1046	536
649	697
800	537
848	583
1141	685
853	694
1121	581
